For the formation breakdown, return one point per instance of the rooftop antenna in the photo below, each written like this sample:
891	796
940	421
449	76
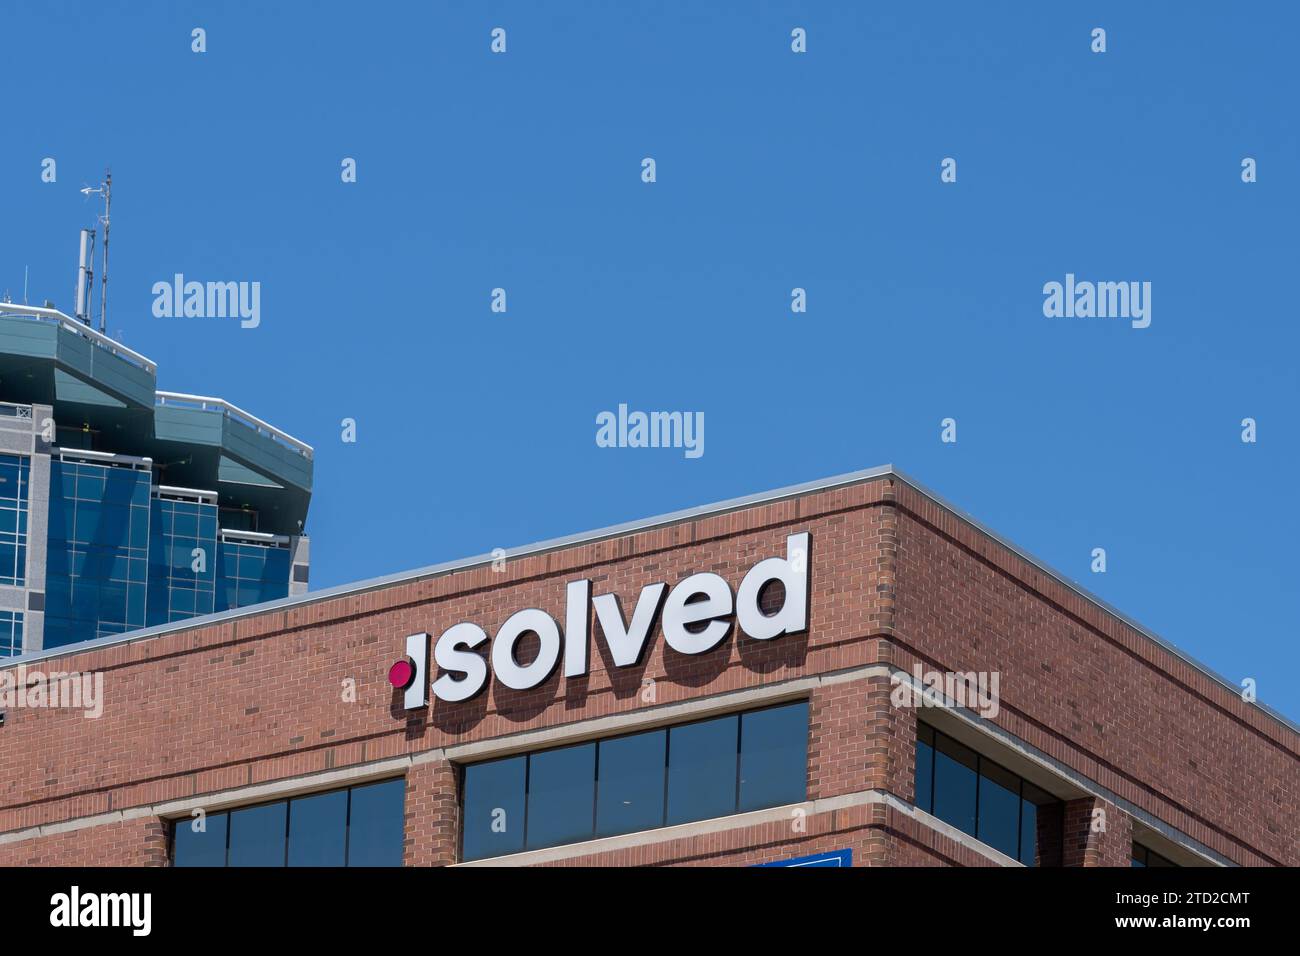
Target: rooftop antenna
85	276
106	190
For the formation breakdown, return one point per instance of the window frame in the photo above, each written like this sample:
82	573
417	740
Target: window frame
462	770
288	801
980	759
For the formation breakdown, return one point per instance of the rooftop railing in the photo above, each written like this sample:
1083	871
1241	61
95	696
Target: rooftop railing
209	404
255	537
110	458
202	402
173	493
67	322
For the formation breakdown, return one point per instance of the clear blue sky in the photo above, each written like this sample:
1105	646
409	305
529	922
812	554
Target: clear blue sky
775	170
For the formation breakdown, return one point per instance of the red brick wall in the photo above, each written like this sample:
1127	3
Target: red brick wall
877	835
141	842
1088	690
764	843
262	698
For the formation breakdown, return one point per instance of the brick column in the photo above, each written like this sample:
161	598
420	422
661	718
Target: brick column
891	742
154	850
858	740
432	815
1093	840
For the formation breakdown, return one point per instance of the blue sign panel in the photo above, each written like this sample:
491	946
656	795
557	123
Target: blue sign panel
834	858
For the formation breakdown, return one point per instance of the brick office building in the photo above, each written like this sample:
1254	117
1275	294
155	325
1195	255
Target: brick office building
717	721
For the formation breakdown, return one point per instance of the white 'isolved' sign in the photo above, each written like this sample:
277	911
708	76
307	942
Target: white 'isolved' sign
695	618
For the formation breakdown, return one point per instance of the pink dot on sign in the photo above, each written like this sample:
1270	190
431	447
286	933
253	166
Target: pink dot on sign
401	674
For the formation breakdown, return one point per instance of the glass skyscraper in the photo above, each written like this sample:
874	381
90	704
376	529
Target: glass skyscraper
97	556
122	507
182	557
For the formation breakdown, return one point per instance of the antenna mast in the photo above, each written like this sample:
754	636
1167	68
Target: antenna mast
103	289
86	272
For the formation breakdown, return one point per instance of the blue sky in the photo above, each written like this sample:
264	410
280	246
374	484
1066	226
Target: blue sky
774	170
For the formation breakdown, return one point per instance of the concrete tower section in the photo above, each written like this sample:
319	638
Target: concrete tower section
123	507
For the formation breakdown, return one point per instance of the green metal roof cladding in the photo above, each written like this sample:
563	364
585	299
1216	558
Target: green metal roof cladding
109	392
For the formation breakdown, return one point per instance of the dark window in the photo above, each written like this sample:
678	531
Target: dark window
955	779
702	770
561	795
1144	857
1033	799
640	781
630	783
360	826
925	768
999	809
494	807
202	848
773	756
978	796
257	835
376	823
318	830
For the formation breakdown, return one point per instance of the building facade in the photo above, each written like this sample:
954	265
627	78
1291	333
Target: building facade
849	672
123	507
